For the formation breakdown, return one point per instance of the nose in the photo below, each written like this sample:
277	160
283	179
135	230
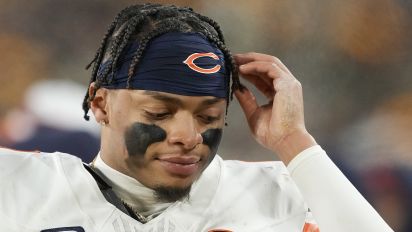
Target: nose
184	133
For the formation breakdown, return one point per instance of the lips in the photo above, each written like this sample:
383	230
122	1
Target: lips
180	165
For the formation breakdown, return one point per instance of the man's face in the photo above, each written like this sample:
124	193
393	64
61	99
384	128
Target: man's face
163	140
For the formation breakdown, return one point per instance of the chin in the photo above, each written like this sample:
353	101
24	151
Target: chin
170	187
168	193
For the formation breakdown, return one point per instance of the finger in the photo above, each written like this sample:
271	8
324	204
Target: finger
268	81
261	69
264	85
245	58
247	101
282	66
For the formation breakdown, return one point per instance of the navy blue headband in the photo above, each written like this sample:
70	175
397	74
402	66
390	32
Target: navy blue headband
180	63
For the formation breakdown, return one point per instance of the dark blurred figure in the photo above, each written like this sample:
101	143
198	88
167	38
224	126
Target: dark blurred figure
49	139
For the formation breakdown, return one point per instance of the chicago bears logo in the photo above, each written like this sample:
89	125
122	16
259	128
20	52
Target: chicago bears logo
191	59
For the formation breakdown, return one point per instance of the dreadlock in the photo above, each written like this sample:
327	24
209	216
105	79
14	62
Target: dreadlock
142	23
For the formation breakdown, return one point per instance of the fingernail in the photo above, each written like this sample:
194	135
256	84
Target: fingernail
239	88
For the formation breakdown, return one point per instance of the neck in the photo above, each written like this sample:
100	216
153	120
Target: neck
141	199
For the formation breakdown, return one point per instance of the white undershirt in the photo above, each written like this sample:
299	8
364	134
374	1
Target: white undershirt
335	203
140	198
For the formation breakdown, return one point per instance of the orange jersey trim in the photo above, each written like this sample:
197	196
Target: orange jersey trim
309	227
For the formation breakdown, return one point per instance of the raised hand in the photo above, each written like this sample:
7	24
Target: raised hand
278	125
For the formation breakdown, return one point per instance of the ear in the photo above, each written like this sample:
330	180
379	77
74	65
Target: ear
99	104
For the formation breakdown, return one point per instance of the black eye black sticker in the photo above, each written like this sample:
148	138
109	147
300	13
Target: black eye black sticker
211	138
139	136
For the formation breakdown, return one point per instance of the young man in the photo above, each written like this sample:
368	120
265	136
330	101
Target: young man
160	87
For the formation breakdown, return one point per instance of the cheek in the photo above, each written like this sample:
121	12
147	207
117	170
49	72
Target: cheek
139	136
211	138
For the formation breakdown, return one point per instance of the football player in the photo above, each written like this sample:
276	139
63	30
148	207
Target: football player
161	83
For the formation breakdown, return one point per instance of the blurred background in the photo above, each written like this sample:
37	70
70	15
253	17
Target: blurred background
353	58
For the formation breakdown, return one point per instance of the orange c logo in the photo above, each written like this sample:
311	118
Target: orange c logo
190	63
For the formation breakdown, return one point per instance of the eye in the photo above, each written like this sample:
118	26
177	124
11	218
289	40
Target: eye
157	115
207	119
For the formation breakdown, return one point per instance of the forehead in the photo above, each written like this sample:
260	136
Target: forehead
146	97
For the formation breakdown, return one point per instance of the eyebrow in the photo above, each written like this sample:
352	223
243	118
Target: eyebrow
164	98
211	101
176	101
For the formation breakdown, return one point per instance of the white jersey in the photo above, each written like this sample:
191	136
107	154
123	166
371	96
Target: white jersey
53	192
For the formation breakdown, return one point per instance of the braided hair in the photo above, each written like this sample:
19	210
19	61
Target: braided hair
142	23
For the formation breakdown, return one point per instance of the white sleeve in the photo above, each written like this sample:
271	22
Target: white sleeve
335	203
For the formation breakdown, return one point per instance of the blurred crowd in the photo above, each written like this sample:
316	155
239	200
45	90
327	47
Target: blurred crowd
353	58
38	112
